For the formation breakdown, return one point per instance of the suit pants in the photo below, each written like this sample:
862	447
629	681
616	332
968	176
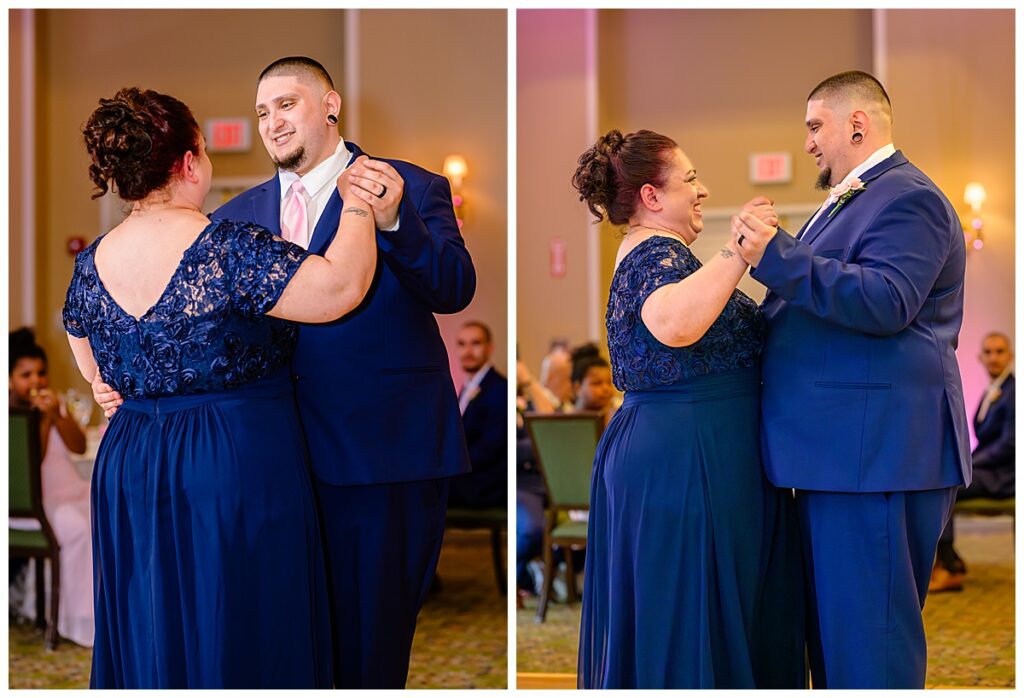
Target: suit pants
382	545
868	558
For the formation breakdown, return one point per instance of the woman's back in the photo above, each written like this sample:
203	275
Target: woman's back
205	331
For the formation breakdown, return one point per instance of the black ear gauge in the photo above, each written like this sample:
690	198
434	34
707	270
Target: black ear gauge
332	119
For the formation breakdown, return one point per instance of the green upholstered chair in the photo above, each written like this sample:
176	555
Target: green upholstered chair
25	498
493	520
989	507
564	445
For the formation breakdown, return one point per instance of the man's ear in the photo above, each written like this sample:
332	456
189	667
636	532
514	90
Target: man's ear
332	104
860	121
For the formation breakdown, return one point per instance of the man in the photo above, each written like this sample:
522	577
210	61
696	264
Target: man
863	406
374	392
483	401
556	374
993	459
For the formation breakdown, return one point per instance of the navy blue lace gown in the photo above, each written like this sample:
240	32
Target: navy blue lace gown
693	575
208	569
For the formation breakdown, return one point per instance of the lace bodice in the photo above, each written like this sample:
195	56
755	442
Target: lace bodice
641	362
207	331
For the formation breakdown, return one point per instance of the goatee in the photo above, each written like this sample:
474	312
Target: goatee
292	162
824	179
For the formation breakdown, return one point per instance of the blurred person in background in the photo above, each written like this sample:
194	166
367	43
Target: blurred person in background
65	491
993	464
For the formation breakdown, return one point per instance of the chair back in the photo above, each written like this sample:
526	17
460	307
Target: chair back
564	445
25	495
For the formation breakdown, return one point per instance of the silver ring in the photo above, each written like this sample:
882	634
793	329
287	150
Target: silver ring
383	191
740	239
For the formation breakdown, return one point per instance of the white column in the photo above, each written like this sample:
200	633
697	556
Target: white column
28	168
350	96
593	235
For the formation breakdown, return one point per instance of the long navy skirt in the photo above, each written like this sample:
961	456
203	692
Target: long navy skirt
208	568
693	576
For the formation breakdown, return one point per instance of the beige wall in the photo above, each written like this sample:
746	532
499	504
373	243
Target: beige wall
728	83
15	190
460	71
552	131
210	59
954	118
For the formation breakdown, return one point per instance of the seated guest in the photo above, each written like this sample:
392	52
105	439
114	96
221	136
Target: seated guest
483	402
65	492
556	374
592	382
531	495
993	459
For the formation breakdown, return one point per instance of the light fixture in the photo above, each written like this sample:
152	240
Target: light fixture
974	196
455	170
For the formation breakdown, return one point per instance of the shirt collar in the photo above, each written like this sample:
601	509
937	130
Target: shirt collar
883	153
320	176
998	381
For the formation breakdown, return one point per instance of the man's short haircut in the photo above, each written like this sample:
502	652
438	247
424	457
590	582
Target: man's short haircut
856	84
302	66
483	328
997	333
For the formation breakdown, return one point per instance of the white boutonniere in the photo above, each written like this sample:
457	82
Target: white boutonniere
844	192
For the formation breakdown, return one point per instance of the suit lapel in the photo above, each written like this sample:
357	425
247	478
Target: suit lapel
266	206
824	219
327	226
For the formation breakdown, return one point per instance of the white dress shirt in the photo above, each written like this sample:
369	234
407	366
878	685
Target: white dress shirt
319	183
993	392
472	387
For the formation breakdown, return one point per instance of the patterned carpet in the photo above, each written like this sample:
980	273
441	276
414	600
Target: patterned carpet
970	633
461	637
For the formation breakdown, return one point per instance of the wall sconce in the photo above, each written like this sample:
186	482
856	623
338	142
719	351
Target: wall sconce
974	196
455	170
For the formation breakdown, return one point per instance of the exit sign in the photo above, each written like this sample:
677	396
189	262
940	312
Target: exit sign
770	168
228	135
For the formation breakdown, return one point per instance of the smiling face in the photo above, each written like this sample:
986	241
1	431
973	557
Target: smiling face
681	198
292	112
828	141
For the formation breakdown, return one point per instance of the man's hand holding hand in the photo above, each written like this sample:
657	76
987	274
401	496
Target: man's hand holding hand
379	185
754	227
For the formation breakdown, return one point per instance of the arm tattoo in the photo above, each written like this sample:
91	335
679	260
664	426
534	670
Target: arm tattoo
357	211
726	253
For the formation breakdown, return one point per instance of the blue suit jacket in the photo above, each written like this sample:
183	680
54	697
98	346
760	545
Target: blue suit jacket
862	390
374	389
997	441
486	425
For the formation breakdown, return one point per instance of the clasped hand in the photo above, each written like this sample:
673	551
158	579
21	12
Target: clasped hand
754	227
377	184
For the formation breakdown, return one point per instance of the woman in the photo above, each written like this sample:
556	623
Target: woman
65	492
209	571
692	569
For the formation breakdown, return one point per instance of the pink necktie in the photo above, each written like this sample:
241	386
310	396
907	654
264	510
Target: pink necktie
293	217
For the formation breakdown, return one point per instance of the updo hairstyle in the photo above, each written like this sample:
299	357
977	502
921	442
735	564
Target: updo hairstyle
611	173
136	140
